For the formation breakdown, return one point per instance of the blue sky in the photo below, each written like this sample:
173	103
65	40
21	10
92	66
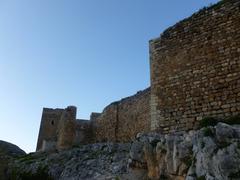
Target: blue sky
87	53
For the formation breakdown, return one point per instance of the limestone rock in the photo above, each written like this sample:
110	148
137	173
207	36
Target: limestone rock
212	153
95	161
225	132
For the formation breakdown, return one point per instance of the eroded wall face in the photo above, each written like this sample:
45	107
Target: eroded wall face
122	120
106	124
67	128
84	132
134	116
195	69
49	125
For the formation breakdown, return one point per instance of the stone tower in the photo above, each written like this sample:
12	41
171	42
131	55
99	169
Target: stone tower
57	129
67	128
48	127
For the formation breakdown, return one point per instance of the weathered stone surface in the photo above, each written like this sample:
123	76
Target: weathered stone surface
49	145
49	126
61	130
206	153
122	120
67	128
225	132
189	155
84	132
195	69
88	162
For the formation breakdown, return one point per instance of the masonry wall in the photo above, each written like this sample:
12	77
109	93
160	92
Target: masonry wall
49	125
66	132
84	132
195	69
106	124
122	120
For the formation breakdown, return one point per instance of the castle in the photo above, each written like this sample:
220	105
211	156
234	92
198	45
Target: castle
195	73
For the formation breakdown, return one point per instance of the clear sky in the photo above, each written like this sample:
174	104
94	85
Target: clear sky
87	53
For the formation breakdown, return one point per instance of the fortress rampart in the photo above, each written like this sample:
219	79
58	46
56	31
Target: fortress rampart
119	122
122	120
61	130
195	73
195	69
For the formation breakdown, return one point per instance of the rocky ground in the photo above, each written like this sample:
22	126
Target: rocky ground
96	161
212	153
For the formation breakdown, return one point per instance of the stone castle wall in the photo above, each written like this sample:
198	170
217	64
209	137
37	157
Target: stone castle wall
48	127
84	132
195	69
61	130
119	122
195	73
66	132
122	120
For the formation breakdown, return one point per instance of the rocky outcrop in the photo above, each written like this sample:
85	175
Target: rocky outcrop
96	161
8	151
212	153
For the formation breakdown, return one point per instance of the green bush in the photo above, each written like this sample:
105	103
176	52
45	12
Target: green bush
188	160
117	178
232	120
202	144
208	132
223	145
41	174
201	178
208	121
211	121
162	176
235	175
